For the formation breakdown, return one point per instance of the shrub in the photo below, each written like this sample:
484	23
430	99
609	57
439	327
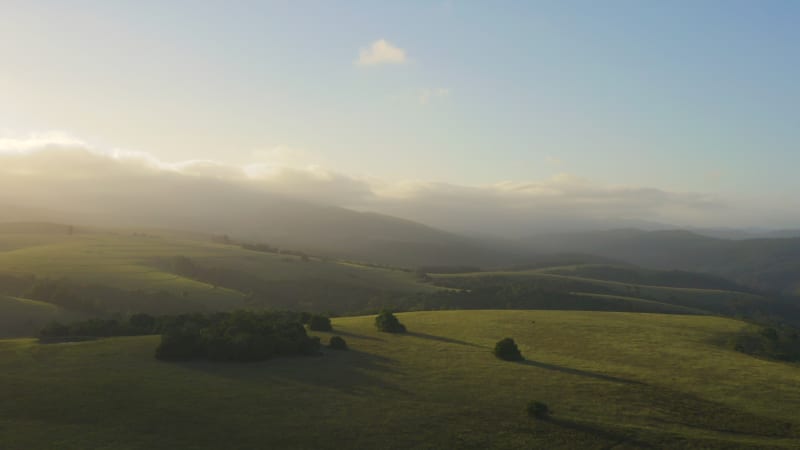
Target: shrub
538	409
337	343
319	323
387	322
507	349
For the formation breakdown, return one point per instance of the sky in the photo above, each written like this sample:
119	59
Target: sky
438	102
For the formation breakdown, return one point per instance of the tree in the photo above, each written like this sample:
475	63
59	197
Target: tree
507	349
538	409
337	343
319	323
387	322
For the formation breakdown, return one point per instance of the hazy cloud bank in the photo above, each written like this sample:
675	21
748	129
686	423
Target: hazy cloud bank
57	172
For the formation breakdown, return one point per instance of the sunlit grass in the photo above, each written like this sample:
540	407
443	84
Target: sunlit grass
127	262
610	378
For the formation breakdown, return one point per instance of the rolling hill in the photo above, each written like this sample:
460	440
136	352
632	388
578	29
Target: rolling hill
101	271
23	317
612	380
266	217
764	264
612	287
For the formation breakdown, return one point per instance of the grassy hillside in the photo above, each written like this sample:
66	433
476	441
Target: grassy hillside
764	264
168	272
23	317
708	300
186	203
612	379
129	261
649	277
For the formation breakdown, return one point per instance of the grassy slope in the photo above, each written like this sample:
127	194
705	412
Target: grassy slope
643	305
613	379
125	261
705	299
23	317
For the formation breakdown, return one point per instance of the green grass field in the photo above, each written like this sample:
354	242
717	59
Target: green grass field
613	380
23	317
686	298
126	261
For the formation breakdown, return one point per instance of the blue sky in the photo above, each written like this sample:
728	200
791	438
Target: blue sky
683	96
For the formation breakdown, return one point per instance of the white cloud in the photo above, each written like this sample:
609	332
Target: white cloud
37	141
381	52
428	95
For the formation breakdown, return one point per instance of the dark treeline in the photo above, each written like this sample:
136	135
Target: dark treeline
259	247
222	336
237	336
134	325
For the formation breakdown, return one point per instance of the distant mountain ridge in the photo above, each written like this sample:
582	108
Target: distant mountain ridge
764	264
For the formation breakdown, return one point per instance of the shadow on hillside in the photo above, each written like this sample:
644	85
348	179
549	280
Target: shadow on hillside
443	339
355	335
618	437
582	373
349	371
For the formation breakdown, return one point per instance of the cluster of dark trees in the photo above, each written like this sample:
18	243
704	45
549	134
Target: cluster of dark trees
258	247
222	336
236	336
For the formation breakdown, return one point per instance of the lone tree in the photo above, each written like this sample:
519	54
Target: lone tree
319	323
386	321
337	343
538	410
507	349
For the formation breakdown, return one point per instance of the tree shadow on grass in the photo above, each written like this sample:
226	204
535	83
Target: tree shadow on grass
617	437
582	373
336	332
349	371
443	339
